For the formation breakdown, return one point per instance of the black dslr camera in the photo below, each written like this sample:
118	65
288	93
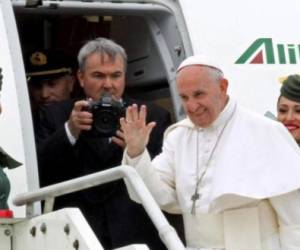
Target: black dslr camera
106	116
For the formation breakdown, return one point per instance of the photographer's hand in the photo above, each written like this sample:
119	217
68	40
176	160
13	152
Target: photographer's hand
80	119
136	131
119	139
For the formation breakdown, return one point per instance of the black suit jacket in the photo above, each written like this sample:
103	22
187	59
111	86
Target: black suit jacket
116	220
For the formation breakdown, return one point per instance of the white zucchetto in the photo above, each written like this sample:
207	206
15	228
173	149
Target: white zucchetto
199	60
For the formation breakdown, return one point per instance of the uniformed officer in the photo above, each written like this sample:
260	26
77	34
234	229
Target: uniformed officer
50	76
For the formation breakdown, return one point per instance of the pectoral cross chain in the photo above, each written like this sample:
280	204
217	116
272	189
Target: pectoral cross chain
194	198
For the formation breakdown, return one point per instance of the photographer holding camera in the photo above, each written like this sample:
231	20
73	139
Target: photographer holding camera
79	137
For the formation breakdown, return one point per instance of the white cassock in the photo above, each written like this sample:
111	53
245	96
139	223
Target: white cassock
248	196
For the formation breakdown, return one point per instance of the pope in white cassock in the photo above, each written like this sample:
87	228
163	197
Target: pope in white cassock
232	173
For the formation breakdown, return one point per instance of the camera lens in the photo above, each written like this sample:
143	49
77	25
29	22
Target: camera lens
106	115
106	122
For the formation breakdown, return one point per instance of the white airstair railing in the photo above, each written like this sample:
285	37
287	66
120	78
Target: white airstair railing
166	231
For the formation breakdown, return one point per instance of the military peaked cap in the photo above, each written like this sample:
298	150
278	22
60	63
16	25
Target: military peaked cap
42	65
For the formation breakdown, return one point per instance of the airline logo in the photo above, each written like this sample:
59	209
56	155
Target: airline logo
265	51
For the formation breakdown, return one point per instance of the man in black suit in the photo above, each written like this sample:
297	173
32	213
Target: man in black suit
67	150
50	77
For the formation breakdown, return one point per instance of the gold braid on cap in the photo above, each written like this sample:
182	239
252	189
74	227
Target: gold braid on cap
50	72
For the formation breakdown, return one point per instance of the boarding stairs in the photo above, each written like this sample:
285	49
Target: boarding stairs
67	229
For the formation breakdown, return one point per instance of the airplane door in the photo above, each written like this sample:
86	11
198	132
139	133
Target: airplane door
16	130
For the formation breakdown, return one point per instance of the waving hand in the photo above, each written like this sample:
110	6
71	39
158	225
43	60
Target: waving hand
136	131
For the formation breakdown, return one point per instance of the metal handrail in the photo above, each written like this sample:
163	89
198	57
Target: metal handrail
166	231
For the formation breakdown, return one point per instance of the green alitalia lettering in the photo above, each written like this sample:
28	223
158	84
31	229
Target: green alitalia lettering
292	53
281	54
259	44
